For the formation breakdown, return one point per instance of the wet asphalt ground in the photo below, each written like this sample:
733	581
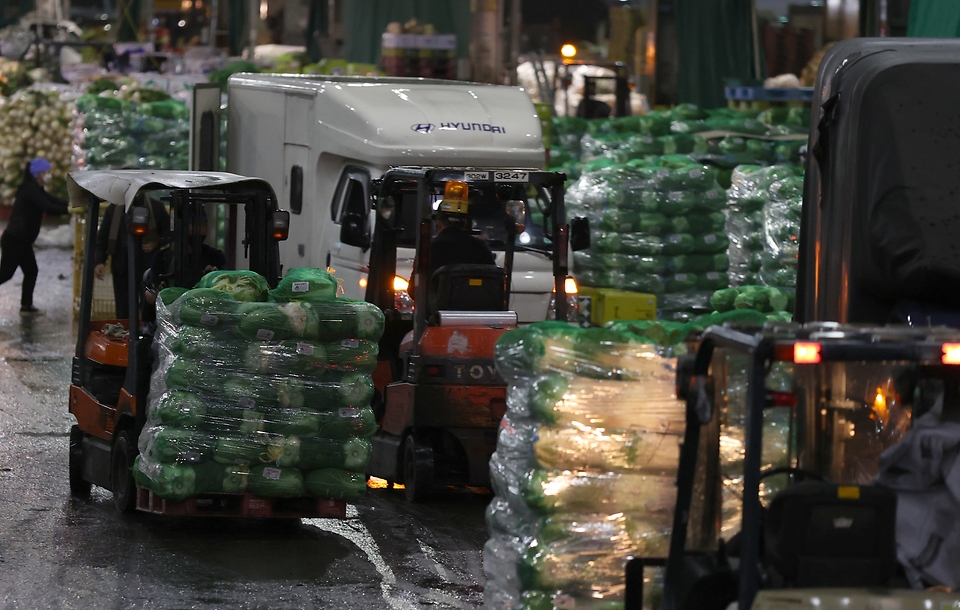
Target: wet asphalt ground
61	552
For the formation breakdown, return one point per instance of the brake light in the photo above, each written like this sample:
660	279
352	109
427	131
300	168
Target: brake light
806	353
400	284
951	353
570	286
783	399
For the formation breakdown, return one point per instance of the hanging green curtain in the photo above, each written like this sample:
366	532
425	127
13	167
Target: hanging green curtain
236	26
317	26
715	40
128	29
934	19
364	22
11	13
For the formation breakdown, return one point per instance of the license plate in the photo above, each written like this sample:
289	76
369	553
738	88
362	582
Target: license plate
511	176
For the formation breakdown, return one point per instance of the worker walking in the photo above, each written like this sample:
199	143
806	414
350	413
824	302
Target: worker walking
16	243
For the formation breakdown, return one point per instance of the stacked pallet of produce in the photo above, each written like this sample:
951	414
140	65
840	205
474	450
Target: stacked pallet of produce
584	469
658	228
764	225
260	392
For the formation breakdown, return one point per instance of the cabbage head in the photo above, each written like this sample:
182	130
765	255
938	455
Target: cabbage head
305	284
242	285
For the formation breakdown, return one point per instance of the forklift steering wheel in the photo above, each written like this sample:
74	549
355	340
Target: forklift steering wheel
798	473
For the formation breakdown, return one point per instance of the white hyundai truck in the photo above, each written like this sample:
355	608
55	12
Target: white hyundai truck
321	140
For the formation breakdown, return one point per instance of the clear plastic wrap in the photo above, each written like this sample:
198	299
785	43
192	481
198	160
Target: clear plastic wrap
763	224
117	133
268	398
645	212
585	468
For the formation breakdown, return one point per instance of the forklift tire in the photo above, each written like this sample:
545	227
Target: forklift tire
78	486
121	471
417	470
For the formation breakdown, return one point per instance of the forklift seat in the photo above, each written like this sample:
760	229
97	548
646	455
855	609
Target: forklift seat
466	288
826	535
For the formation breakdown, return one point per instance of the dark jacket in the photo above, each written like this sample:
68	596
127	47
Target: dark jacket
159	222
28	209
455	246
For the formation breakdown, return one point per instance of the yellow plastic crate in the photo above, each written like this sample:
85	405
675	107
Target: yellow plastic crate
601	305
103	305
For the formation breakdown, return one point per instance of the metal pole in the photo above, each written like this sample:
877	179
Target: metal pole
516	20
214	13
254	17
151	29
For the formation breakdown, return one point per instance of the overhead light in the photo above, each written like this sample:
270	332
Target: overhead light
181	23
568	51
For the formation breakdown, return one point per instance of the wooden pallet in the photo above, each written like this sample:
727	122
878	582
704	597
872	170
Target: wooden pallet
241	505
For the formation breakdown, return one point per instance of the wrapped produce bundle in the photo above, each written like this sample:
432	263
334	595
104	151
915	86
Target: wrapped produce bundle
659	208
585	467
133	127
270	398
763	224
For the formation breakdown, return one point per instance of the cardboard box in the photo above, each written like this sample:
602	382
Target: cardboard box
601	305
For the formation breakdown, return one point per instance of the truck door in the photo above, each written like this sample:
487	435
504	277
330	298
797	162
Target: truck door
299	250
350	262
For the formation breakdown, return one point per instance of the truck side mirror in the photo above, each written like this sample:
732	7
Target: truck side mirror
579	234
353	231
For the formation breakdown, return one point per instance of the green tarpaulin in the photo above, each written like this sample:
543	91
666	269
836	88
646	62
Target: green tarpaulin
236	26
934	19
715	40
364	22
317	26
129	26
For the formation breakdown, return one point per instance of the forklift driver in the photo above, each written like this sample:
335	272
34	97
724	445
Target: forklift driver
454	244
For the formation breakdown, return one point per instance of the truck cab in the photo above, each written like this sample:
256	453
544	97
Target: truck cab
321	141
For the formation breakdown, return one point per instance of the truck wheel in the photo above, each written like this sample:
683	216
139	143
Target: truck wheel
417	470
78	487
121	471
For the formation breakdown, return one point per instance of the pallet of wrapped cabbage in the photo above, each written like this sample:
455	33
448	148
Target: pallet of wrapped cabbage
310	358
650	403
329	392
513	519
562	600
322	321
595	353
608	449
587	554
215	347
569	491
764	299
335	484
291	421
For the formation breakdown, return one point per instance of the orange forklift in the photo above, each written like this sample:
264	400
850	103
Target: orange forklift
113	362
441	399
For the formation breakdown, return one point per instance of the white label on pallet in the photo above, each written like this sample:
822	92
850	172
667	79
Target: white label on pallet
246	403
713	275
209	319
350	343
696	173
305	349
676	196
301	287
271	473
265	334
348	412
681	277
710	239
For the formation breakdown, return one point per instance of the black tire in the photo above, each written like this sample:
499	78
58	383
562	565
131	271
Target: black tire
78	486
121	471
417	470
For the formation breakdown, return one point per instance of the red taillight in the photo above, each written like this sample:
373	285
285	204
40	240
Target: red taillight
806	353
951	353
783	399
434	371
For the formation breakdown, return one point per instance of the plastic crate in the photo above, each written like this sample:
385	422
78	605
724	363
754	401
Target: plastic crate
103	305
